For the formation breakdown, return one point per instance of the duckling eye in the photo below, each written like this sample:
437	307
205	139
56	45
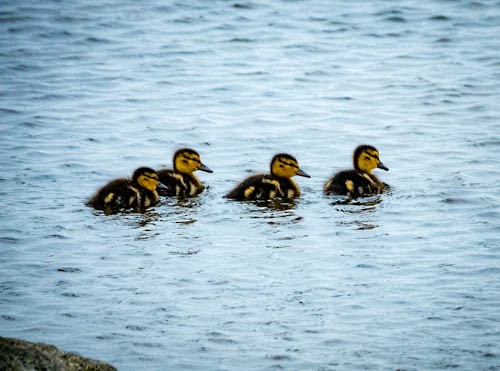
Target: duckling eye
281	165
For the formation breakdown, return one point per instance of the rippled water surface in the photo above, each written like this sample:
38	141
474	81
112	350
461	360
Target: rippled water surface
90	90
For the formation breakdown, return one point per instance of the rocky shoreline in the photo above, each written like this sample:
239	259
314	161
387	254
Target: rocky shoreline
21	355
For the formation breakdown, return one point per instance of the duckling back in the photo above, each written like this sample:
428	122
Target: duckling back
353	183
260	187
118	194
178	184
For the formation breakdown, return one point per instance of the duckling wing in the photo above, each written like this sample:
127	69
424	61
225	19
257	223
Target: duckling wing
173	181
193	185
256	187
148	198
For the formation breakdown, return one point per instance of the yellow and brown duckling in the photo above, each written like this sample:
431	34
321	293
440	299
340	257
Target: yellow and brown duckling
359	181
137	193
276	185
181	181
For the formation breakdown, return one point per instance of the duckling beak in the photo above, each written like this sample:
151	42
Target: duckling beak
301	172
382	166
161	186
205	168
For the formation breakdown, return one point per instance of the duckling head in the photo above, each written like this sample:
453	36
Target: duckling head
188	161
285	166
366	158
147	178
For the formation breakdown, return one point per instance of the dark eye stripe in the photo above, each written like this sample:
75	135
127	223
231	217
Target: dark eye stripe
374	156
288	164
192	159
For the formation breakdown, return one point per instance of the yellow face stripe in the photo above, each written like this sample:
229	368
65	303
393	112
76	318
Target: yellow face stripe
149	181
284	167
187	163
368	160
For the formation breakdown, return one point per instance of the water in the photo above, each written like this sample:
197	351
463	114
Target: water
91	90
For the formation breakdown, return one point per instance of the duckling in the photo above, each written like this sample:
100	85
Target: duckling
181	181
277	185
359	181
137	193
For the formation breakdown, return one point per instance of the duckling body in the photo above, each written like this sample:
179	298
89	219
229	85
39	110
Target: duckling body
359	181
181	181
354	183
276	185
137	193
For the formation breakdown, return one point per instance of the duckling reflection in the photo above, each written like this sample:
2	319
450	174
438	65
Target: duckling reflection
358	211
359	181
183	210
182	203
148	218
181	181
353	206
278	185
270	209
137	193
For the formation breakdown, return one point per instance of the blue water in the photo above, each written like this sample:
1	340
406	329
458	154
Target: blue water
91	90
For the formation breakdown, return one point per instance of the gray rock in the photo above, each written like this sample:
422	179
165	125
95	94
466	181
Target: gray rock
20	355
